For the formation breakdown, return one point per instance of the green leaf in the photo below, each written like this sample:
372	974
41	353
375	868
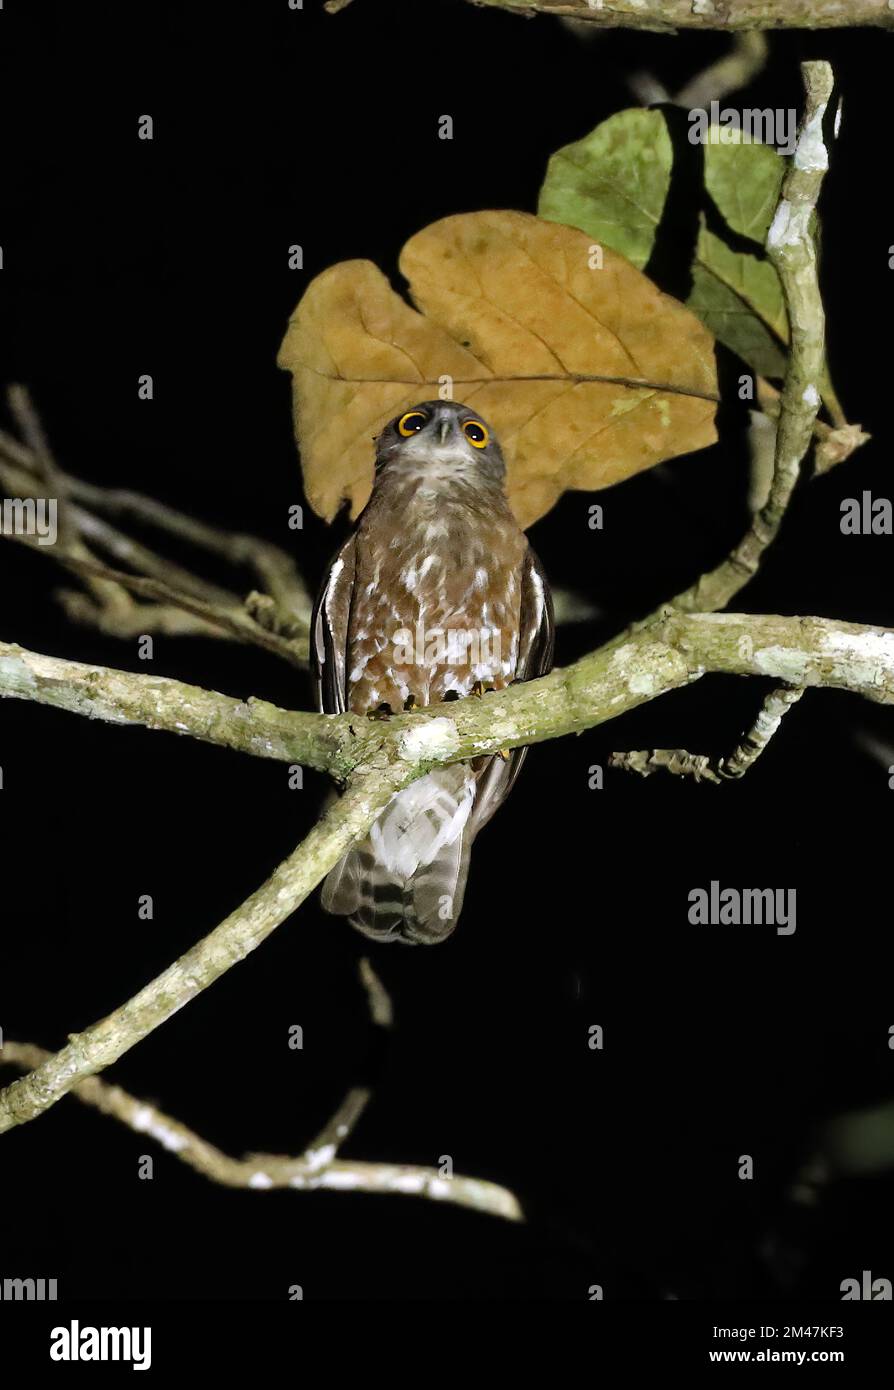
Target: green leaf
754	280
744	180
736	294
613	183
739	297
733	323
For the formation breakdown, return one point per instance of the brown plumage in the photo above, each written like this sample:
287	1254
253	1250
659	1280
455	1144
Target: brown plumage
436	591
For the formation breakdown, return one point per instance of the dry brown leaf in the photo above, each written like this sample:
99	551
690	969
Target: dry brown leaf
510	309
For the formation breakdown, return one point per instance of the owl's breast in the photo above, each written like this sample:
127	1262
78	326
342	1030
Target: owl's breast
436	605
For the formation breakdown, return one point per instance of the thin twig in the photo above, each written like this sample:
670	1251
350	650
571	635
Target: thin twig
318	1167
237	622
747	57
834	443
109	599
381	1009
273	567
705	769
19	480
44	463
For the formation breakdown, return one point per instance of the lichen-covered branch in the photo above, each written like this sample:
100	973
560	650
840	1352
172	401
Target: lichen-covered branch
123	697
791	248
667	653
705	769
386	756
236	937
667	16
317	1168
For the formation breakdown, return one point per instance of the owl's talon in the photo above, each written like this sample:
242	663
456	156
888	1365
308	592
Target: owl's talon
477	690
504	754
410	702
382	711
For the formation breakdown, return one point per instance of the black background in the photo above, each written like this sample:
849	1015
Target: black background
123	257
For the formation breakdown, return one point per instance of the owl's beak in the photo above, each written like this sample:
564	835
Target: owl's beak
446	428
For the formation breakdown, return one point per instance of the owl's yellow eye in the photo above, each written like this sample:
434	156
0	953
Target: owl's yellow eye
410	423
476	433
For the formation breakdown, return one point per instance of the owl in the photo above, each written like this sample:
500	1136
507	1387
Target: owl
436	596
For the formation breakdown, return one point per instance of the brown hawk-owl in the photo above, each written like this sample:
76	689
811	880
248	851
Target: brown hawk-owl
435	596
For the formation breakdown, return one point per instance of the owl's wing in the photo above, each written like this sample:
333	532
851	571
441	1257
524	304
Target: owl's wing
329	632
536	642
537	626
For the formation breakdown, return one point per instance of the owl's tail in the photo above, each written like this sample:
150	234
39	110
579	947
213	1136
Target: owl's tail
406	880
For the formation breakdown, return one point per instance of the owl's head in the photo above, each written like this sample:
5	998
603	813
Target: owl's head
440	441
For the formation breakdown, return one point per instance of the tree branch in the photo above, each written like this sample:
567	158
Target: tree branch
318	1167
157	702
791	248
666	16
387	756
705	769
277	620
236	937
659	657
236	621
